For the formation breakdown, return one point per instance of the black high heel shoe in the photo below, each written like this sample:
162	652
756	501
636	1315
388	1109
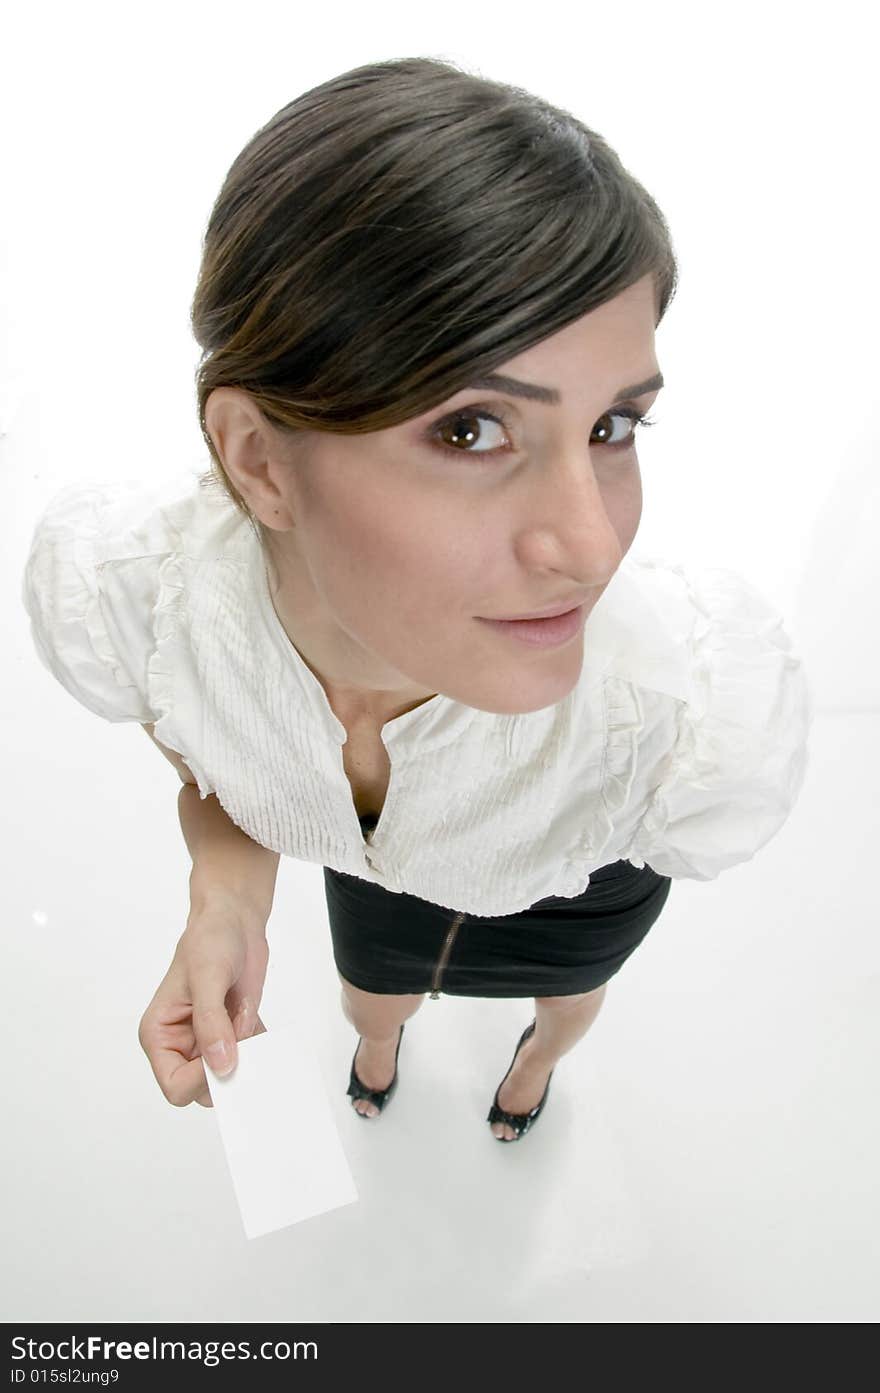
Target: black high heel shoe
377	1097
520	1122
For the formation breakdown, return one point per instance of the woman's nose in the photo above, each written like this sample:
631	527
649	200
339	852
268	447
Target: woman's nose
568	521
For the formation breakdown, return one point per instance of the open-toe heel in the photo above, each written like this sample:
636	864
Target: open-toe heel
377	1097
520	1122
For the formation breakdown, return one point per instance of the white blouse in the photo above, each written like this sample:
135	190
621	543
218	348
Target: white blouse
682	746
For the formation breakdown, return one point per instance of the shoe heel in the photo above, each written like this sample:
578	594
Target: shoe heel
520	1122
378	1097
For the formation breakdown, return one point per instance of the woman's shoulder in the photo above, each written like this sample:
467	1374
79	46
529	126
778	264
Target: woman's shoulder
125	518
639	629
659	621
738	760
105	567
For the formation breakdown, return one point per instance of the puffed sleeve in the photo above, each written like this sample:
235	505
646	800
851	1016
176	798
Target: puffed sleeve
740	755
70	616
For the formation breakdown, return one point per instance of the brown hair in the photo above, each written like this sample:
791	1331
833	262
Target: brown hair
398	230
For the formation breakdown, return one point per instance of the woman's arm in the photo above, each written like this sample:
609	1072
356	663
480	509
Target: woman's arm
210	995
183	769
227	863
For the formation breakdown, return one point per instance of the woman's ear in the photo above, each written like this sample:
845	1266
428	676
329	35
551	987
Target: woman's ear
250	452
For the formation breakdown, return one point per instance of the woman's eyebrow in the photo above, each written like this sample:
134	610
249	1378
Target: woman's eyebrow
498	381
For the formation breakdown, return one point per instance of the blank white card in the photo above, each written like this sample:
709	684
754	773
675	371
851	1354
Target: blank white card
283	1150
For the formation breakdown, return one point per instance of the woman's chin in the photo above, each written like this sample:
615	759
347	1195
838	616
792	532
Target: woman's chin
519	698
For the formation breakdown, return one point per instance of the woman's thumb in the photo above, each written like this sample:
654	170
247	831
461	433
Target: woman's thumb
212	1027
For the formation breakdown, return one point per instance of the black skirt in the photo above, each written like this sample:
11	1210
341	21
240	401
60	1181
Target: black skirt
395	943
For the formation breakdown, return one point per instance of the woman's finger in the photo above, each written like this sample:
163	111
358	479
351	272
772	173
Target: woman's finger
180	1079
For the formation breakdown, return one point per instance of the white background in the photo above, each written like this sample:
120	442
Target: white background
709	1151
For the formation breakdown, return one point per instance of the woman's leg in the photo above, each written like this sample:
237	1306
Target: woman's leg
377	1018
560	1021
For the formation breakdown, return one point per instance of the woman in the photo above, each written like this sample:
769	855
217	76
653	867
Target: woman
427	305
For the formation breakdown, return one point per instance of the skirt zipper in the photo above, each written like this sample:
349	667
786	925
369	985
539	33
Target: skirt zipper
444	956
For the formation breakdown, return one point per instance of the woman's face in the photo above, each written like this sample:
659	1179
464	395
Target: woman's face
394	547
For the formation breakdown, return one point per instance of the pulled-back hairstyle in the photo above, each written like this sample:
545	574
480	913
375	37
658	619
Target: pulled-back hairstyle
398	230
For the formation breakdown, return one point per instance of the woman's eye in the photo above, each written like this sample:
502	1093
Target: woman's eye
461	433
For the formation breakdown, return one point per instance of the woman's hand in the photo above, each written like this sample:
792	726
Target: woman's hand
206	1001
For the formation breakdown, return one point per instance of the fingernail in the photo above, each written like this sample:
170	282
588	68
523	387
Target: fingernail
219	1058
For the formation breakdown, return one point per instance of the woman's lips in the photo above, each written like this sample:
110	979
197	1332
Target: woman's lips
541	633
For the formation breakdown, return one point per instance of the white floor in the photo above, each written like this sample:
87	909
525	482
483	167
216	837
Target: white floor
709	1151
